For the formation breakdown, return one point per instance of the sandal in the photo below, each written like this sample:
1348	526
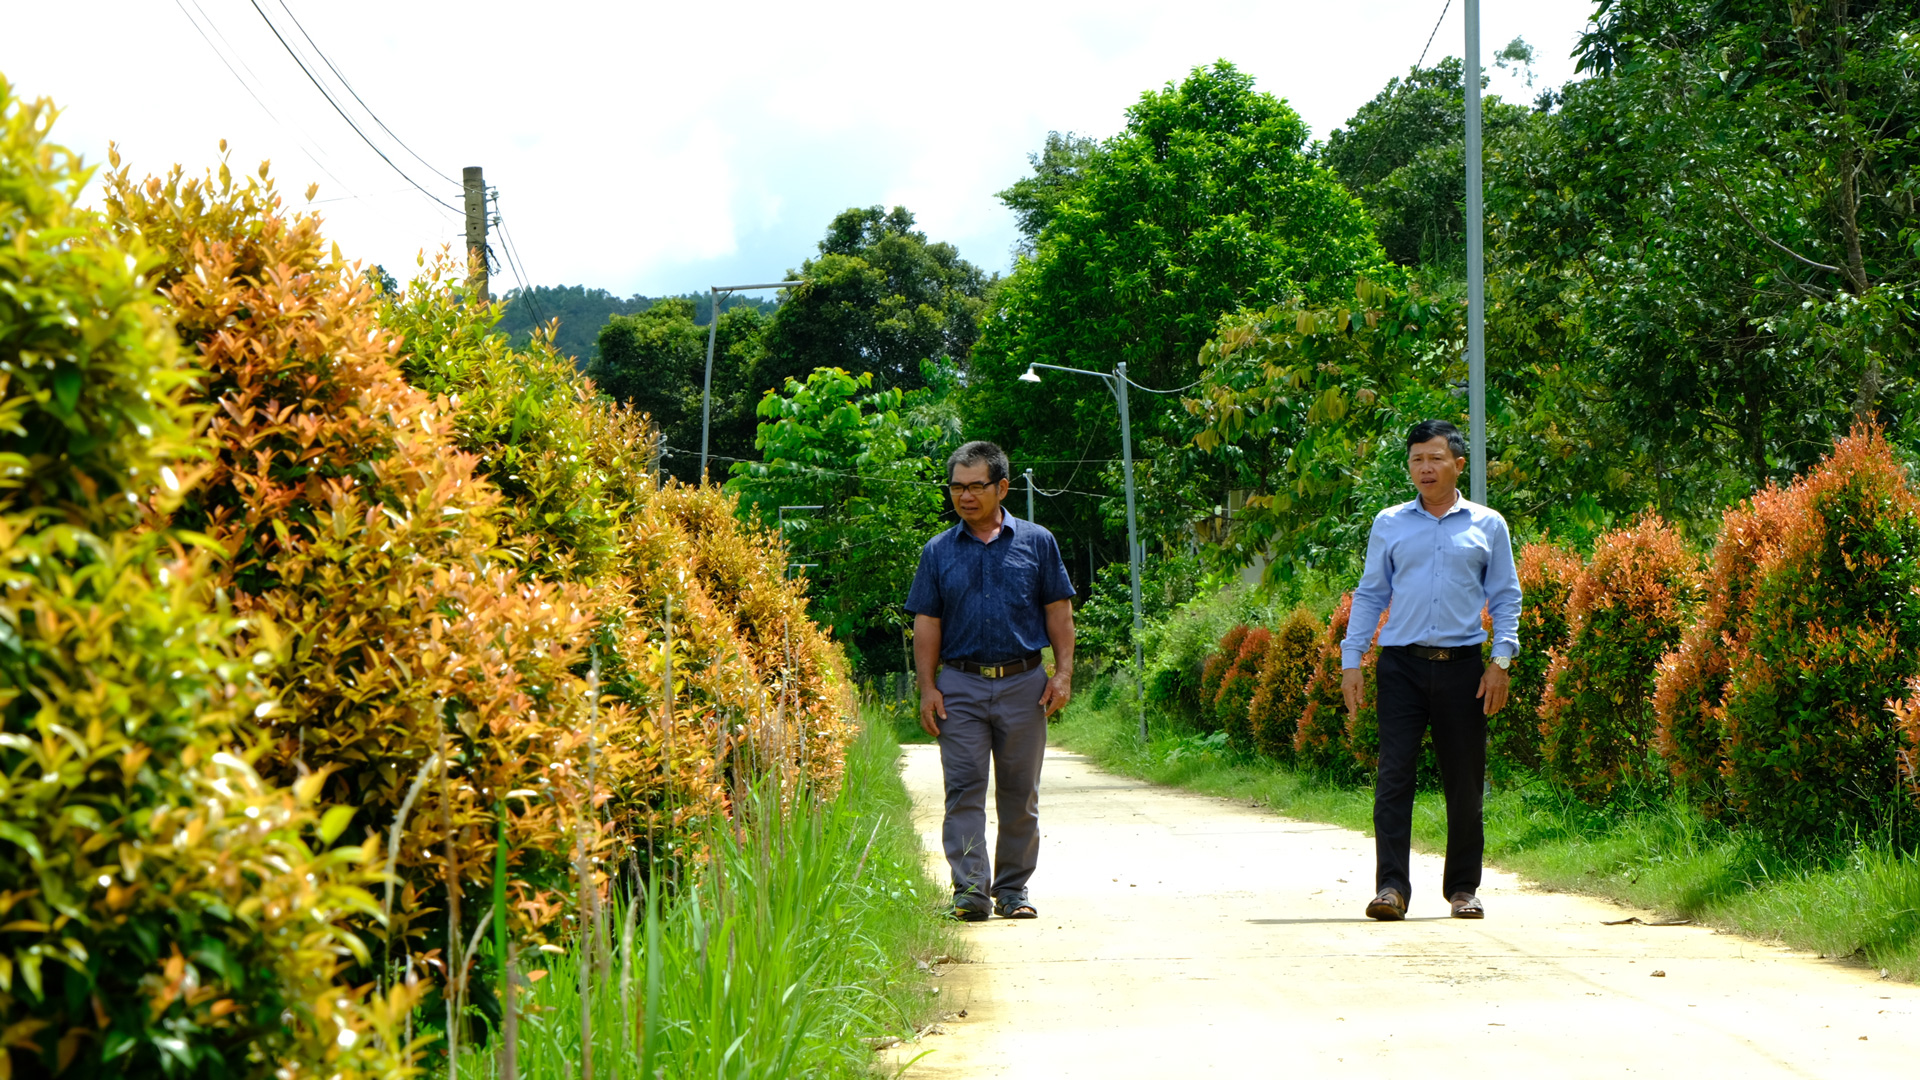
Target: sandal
1014	906
1467	906
963	913
1389	906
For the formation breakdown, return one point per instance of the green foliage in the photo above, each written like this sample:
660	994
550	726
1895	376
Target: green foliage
1059	168
1103	624
1274	713
1403	153
1203	205
166	910
1177	647
880	298
582	312
1625	612
1830	638
655	361
832	442
1311	405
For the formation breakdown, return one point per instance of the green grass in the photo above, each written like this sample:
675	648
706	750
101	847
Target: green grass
794	947
1859	899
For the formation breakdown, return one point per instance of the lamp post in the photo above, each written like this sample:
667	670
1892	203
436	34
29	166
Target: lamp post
1476	270
1030	494
1117	383
713	334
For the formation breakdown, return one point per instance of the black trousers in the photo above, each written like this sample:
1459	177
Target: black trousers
1416	696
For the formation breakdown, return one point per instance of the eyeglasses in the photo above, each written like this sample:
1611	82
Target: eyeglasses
975	489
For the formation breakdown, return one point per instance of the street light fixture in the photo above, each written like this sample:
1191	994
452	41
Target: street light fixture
1117	383
713	334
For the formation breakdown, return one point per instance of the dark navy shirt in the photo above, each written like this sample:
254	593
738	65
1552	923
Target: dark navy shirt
989	597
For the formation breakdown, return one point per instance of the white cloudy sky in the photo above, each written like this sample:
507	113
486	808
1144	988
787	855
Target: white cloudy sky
661	148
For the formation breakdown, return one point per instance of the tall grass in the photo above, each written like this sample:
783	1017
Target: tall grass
1858	897
784	955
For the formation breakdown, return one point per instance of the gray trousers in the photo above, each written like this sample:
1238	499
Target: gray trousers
998	720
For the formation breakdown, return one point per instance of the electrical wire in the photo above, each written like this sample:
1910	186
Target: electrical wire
321	53
317	85
248	87
1151	390
519	266
819	470
1394	112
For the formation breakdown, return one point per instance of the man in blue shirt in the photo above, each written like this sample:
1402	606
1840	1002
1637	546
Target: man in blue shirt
989	594
1433	564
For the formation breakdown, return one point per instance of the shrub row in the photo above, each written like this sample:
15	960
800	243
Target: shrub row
1777	680
314	595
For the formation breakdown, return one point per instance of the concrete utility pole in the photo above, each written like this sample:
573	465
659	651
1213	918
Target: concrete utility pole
1476	269
476	190
1029	494
720	294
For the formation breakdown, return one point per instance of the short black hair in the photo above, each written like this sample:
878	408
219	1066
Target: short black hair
1429	430
979	452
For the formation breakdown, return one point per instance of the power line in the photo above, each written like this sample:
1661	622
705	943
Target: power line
820	470
519	265
321	53
317	85
1394	112
247	86
1151	390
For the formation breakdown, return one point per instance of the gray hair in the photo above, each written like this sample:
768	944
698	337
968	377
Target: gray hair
979	452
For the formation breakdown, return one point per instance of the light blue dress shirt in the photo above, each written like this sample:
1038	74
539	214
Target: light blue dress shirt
1433	575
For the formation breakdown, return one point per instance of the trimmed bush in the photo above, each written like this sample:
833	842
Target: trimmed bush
1690	688
164	910
1626	611
1237	688
1547	574
1830	636
1214	672
1323	737
1280	698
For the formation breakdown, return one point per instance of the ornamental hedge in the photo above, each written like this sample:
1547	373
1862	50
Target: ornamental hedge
1547	574
1281	696
1829	638
167	909
1626	610
1214	672
1238	685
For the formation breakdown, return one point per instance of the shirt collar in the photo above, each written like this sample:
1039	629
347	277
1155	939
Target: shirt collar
1460	505
1007	521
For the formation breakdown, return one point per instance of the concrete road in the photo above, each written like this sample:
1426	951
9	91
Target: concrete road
1181	935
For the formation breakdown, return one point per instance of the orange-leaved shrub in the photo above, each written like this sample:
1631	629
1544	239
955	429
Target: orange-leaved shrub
164	909
1547	574
1274	713
1690	689
1362	735
423	667
1237	688
1214	672
1830	635
1322	737
1626	610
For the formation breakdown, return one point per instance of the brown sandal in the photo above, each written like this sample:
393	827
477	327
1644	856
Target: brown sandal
1389	906
1467	906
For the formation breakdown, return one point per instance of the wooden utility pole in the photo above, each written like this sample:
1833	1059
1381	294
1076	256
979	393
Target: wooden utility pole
476	189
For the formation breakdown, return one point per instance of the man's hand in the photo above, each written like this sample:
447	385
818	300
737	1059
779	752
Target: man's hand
1059	691
1350	689
1493	688
932	705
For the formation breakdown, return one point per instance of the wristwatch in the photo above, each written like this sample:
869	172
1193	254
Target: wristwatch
1501	662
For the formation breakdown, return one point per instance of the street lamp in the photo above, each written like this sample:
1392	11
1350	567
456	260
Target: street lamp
713	334
1117	383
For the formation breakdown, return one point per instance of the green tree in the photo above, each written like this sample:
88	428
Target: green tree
655	360
1059	167
880	298
835	442
1203	205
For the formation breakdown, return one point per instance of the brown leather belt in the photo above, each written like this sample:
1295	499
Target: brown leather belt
1457	652
994	671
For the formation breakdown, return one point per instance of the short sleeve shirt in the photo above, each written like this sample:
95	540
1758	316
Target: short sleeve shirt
990	598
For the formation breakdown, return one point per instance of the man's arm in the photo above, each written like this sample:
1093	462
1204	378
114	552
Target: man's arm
1370	598
926	658
1060	635
1502	585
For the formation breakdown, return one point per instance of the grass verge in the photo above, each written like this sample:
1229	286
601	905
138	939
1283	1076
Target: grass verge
796	946
1858	900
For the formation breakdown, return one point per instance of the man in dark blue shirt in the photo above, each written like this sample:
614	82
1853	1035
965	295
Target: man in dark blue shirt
990	593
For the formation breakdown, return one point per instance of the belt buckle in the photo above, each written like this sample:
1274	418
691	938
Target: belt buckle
992	672
1441	654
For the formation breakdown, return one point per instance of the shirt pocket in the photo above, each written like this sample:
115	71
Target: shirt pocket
1019	576
1466	558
